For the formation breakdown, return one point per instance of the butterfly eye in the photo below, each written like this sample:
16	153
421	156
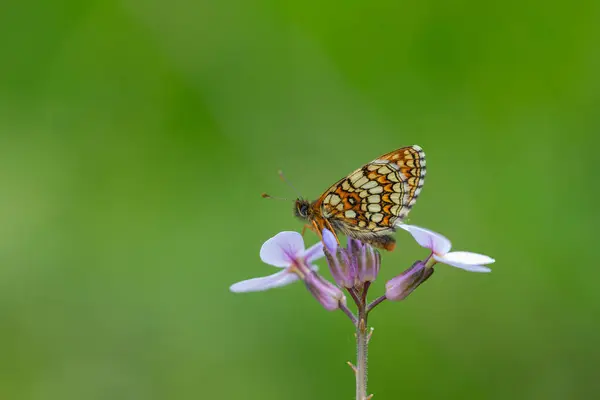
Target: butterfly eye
302	209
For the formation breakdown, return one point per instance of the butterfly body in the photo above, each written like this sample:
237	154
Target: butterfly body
370	201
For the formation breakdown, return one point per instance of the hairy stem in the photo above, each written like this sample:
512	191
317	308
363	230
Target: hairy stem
359	295
362	344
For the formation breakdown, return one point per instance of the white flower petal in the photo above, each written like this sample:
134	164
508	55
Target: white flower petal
282	248
278	279
468	258
314	252
466	267
431	240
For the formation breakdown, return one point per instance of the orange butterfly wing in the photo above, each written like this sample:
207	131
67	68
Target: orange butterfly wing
371	200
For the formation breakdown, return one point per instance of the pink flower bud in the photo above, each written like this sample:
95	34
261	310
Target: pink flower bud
400	287
325	292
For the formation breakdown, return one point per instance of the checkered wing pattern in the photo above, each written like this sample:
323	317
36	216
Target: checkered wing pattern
372	199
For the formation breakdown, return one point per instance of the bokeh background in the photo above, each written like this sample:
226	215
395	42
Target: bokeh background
136	138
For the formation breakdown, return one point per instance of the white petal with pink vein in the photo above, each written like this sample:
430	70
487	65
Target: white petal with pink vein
282	249
278	279
433	241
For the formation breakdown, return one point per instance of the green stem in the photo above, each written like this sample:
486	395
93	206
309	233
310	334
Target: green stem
362	346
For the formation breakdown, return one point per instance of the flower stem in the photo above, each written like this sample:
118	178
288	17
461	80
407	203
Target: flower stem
375	302
359	295
362	343
346	311
355	296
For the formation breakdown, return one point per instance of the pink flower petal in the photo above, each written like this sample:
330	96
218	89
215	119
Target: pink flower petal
278	279
433	241
314	252
466	267
330	241
281	249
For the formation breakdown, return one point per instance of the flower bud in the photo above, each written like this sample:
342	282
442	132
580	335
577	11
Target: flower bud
351	266
342	269
367	259
325	292
400	287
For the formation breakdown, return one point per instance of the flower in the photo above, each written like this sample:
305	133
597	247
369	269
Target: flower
286	250
401	286
440	251
351	266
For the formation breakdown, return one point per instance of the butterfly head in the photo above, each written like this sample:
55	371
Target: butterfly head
302	208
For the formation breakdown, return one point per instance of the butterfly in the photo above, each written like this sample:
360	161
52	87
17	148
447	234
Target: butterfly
369	202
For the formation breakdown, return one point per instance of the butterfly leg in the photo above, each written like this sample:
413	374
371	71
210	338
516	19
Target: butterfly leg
315	228
328	226
307	226
312	227
318	229
325	224
319	226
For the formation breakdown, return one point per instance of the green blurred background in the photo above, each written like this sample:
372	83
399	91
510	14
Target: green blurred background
136	138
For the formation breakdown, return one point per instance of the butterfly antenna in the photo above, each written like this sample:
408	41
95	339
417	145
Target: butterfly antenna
268	196
280	172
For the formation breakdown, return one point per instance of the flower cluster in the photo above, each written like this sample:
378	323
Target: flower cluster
353	266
